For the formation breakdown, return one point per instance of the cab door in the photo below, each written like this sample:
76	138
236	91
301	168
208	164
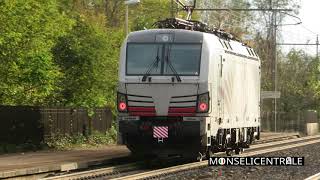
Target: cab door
220	90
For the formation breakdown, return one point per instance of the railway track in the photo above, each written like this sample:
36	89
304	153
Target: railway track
136	170
278	138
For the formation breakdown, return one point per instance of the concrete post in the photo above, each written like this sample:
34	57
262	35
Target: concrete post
311	123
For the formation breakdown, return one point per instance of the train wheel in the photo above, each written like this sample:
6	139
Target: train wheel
210	153
237	151
229	152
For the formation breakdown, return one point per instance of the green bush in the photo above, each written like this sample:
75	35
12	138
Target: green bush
64	141
59	141
78	139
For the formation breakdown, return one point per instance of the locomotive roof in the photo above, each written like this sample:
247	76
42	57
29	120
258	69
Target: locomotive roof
180	35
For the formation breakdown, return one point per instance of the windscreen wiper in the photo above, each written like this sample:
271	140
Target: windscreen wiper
175	73
152	66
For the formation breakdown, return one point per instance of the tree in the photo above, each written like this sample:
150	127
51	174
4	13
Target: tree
147	13
264	41
28	75
114	12
235	22
296	82
88	56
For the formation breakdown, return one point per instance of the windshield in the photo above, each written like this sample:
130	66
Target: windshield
140	57
184	58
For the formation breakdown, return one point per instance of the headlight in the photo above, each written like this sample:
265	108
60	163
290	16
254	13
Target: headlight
203	103
122	102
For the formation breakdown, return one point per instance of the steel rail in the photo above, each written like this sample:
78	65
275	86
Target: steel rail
277	138
189	166
314	177
135	166
98	172
238	9
283	142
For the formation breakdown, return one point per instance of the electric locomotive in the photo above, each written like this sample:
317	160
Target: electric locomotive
189	91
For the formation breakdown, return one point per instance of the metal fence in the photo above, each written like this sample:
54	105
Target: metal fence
23	124
287	121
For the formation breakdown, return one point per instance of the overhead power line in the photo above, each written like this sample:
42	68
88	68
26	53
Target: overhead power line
308	29
297	44
238	9
304	44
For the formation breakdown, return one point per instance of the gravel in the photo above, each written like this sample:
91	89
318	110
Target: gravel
311	167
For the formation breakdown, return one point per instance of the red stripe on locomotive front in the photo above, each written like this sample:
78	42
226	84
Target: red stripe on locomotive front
182	109
142	109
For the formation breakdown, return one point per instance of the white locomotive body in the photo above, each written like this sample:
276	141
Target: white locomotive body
185	92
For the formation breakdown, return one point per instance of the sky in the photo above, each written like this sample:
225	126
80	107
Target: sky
307	31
